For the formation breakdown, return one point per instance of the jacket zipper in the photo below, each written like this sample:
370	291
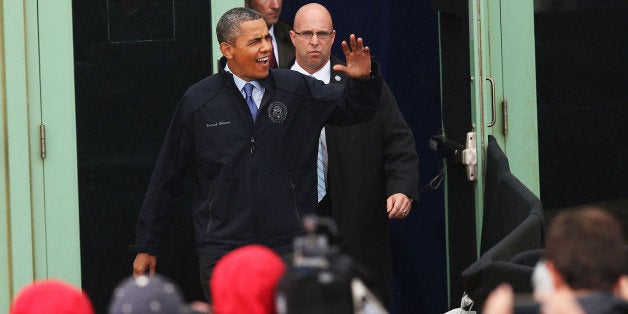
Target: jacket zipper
211	203
252	146
294	200
254	184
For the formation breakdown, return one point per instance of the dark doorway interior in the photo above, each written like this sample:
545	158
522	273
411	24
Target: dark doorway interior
582	71
456	111
133	61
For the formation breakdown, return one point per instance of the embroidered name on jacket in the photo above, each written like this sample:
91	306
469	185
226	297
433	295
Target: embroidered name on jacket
277	112
221	123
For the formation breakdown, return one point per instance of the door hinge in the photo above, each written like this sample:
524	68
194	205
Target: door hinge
505	116
42	140
470	157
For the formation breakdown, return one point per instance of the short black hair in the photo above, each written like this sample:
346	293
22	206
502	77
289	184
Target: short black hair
229	25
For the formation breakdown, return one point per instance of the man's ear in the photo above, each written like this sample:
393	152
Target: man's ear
293	36
621	287
227	50
557	278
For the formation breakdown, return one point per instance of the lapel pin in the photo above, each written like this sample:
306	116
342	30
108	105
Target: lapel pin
337	78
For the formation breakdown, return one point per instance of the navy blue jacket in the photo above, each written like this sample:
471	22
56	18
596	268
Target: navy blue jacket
252	181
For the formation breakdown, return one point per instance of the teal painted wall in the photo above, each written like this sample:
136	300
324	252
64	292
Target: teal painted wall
39	230
218	8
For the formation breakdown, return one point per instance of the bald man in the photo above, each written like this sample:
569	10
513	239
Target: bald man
372	168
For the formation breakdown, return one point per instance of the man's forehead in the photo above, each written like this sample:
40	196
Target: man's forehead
312	23
253	29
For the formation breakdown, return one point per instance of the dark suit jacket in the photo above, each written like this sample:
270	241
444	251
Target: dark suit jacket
367	163
284	44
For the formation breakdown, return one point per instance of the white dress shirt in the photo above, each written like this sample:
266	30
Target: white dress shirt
258	91
323	74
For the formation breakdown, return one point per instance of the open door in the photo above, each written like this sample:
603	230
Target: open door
488	88
460	196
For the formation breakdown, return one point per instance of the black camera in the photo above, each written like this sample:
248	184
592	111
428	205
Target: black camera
318	245
320	279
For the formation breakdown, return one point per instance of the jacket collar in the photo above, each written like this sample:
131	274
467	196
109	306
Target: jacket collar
335	77
268	82
228	76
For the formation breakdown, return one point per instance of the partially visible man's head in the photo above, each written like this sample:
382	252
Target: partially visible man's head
51	296
313	36
245	280
269	9
585	246
245	43
147	294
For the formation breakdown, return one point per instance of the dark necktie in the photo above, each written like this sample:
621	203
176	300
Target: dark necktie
272	61
248	90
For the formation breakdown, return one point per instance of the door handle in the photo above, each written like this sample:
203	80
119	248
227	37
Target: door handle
493	118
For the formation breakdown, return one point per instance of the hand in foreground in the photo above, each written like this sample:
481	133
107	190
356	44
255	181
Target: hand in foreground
358	59
500	301
398	206
201	307
143	262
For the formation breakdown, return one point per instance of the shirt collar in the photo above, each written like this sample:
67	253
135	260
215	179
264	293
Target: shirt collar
323	74
240	82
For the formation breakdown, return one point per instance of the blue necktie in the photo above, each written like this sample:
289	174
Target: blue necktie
248	90
321	166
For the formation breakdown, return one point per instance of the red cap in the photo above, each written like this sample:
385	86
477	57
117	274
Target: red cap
53	297
245	281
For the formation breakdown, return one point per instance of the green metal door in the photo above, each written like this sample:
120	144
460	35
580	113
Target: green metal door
39	216
488	84
511	101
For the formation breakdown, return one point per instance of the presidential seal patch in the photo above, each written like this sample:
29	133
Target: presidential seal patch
277	112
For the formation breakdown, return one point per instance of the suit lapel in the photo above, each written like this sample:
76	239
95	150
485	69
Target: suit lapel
335	76
284	44
331	132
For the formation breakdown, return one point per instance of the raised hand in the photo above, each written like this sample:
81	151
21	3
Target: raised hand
358	59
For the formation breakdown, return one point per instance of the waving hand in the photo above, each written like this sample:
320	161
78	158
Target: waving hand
358	58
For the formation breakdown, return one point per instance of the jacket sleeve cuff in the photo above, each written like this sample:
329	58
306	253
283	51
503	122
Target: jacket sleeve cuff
143	249
374	70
